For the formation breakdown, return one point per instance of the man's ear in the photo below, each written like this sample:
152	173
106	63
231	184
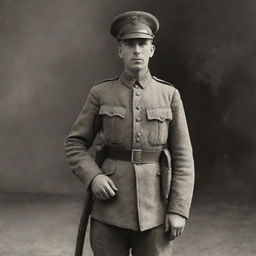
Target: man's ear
119	51
152	50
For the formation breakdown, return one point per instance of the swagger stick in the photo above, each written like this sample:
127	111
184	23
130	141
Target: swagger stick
100	155
83	224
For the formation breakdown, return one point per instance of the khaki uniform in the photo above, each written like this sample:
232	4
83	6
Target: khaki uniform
147	154
143	114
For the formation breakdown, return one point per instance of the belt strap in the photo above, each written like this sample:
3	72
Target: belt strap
136	156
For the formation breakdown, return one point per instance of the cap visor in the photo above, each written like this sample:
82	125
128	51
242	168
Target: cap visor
136	35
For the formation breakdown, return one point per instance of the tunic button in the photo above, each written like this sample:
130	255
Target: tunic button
136	86
138	119
138	107
138	93
98	147
139	134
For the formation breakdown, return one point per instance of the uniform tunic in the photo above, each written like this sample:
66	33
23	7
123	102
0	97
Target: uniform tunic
134	113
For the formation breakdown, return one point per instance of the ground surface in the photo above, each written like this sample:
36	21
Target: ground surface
46	225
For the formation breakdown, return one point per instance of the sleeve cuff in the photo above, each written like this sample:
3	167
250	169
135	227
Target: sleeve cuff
182	215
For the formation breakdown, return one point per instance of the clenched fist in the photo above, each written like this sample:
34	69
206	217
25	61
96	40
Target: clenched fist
174	225
103	187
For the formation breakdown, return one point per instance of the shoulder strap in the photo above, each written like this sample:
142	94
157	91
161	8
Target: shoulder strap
161	81
108	79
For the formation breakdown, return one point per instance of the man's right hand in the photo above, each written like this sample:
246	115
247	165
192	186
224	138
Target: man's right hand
103	187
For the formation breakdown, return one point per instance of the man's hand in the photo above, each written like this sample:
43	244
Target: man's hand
174	225
103	187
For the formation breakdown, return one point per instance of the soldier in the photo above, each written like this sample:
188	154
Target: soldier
143	189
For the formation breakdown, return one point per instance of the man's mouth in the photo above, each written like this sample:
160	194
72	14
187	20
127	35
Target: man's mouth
137	59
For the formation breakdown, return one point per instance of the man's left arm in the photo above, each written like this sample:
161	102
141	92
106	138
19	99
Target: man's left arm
182	170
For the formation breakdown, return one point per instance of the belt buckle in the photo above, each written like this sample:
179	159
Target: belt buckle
136	156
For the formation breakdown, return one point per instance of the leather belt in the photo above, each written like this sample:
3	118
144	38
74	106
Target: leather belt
136	156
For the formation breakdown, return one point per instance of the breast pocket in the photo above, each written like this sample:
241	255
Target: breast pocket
112	123
158	123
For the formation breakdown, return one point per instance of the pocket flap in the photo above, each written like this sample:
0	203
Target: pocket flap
112	111
159	114
108	167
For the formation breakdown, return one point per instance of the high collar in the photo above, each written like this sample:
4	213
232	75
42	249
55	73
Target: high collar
130	80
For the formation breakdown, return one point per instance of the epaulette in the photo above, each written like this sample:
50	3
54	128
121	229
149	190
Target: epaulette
161	81
108	80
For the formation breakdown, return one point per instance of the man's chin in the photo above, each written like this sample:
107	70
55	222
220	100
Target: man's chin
137	67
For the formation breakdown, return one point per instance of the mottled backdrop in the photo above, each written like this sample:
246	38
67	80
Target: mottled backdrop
53	51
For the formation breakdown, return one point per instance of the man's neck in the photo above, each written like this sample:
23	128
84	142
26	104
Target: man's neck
136	73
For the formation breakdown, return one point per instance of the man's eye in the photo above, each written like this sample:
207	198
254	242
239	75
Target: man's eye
142	42
129	44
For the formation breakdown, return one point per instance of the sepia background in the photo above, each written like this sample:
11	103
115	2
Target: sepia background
53	51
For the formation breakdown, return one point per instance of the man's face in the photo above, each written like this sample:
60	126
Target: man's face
136	53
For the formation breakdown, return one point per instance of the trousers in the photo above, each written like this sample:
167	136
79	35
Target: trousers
108	240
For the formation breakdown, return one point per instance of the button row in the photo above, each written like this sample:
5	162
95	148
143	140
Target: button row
138	119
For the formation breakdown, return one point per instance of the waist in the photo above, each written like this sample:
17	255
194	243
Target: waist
136	156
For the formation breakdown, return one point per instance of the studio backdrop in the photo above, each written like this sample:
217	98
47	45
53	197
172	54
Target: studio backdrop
53	51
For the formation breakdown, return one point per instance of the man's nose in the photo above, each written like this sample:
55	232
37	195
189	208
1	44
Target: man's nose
137	48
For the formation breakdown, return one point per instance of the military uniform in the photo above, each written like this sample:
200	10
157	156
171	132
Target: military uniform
142	124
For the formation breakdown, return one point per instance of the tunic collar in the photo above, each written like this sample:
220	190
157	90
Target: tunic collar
129	80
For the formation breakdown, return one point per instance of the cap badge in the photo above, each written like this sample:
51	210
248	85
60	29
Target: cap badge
134	20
